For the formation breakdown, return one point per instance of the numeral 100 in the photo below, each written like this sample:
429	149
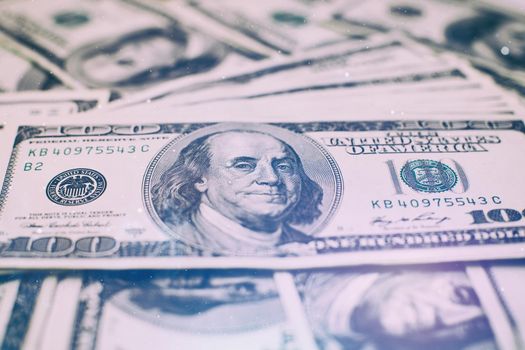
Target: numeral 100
496	215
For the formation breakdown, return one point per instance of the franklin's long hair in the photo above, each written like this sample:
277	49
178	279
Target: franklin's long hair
175	197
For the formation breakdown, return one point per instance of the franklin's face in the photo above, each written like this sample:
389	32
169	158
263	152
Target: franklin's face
253	179
131	58
406	304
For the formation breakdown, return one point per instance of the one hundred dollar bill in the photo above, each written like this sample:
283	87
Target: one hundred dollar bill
114	44
279	195
169	310
445	306
383	76
487	33
425	307
282	26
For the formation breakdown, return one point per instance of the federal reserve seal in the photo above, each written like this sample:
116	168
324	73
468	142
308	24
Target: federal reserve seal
425	175
76	187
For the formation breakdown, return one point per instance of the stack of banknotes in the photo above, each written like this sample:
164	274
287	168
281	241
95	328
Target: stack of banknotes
279	174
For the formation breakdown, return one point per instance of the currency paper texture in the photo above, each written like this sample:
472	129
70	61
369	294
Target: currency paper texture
281	195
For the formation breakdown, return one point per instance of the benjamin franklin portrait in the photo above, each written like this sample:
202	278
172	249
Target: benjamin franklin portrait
243	189
144	57
394	310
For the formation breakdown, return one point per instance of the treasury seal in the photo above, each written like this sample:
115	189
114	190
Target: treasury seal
425	175
76	187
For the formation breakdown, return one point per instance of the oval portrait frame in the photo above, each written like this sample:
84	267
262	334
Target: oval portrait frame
318	164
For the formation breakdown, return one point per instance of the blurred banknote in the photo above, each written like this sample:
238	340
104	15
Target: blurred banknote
384	76
169	310
491	37
446	306
25	303
425	307
263	195
25	72
115	44
285	27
